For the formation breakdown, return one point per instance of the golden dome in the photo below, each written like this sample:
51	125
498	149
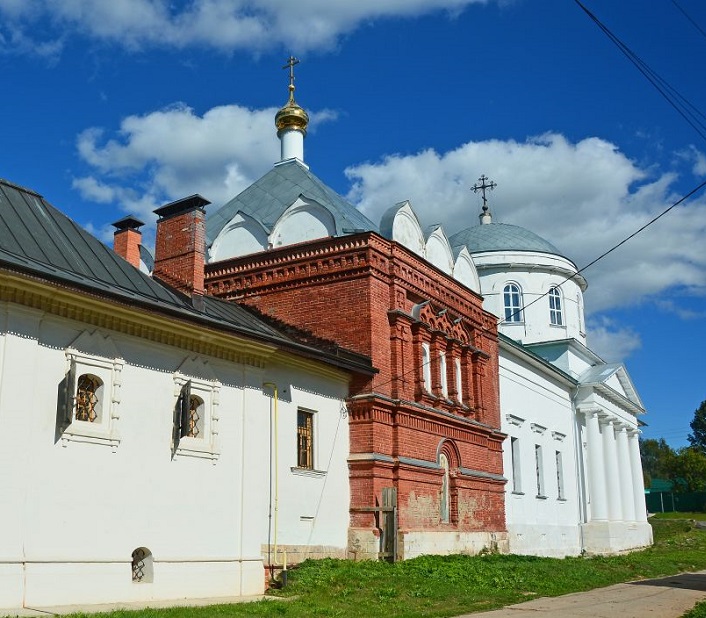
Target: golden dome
291	116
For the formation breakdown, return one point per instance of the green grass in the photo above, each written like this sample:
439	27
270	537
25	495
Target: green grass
452	585
699	611
697	516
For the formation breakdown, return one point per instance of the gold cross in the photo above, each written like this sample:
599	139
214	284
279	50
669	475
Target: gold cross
290	65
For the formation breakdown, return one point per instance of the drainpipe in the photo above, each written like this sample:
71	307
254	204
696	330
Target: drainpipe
578	449
274	460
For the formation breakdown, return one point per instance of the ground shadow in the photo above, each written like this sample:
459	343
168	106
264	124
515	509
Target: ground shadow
687	581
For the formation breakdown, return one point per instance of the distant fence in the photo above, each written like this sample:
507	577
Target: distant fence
669	502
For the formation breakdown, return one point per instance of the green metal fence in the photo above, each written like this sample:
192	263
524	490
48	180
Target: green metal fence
669	502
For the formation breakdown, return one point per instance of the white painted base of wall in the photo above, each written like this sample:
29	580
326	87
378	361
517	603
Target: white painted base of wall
413	544
544	540
11	590
41	584
613	537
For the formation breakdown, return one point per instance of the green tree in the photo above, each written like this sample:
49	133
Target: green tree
697	437
656	459
688	469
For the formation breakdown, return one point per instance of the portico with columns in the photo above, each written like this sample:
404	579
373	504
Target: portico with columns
615	517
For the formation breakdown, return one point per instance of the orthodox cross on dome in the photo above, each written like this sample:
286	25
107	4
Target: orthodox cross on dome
291	62
482	187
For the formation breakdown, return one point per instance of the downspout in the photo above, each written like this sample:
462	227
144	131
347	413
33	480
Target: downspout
578	449
274	461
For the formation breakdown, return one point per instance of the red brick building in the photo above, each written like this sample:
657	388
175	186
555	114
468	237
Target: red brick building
434	438
428	424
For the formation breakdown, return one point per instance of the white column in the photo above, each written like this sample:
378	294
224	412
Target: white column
638	485
627	494
596	472
610	457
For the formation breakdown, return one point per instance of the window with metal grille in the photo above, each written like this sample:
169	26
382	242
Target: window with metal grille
142	566
512	298
195	420
305	439
88	392
555	316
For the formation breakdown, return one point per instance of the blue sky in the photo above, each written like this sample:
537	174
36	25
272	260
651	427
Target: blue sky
119	107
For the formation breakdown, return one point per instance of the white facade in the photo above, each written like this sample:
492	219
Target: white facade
571	457
80	499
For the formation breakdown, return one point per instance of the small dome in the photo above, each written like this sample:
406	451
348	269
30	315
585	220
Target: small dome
501	237
291	116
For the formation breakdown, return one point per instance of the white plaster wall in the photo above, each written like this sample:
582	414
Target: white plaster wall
537	410
313	505
420	543
74	512
535	273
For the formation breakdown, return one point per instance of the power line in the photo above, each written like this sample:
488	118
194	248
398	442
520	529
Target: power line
693	23
683	106
609	251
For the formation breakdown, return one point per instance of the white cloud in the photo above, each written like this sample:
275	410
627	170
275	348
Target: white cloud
226	25
583	197
611	342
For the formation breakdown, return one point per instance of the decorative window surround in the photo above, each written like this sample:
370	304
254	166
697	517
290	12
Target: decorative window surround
557	435
105	364
207	388
537	428
515	420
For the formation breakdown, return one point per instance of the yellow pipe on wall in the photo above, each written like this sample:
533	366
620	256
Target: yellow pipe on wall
273	386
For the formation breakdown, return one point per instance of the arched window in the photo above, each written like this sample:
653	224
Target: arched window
512	298
555	316
442	375
142	566
445	498
88	398
426	366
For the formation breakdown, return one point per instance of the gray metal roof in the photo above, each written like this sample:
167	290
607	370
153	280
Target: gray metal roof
501	237
268	198
38	239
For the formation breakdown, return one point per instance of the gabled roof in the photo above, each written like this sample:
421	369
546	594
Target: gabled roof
268	198
38	239
600	374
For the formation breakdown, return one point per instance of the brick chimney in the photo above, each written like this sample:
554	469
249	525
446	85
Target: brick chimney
127	239
180	248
